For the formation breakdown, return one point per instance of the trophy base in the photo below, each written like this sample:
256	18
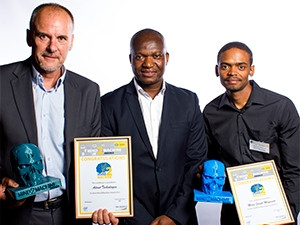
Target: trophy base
224	197
47	184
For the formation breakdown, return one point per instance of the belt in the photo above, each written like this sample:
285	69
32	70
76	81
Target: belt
52	203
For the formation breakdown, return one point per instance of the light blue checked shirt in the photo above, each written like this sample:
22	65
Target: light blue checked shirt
50	120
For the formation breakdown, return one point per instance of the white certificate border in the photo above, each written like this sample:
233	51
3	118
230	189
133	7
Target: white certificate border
278	184
78	203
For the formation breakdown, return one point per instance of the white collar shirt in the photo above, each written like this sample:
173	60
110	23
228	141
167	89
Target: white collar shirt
152	111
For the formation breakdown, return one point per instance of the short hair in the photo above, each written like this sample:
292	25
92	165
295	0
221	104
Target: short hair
238	45
146	31
54	6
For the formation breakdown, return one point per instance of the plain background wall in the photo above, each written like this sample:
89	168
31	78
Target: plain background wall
195	30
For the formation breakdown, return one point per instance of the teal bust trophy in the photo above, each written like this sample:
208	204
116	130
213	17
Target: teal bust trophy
213	179
28	167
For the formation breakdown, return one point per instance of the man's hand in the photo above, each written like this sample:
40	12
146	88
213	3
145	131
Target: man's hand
102	216
163	220
6	195
198	174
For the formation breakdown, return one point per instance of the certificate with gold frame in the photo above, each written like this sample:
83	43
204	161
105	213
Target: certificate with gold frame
259	194
103	176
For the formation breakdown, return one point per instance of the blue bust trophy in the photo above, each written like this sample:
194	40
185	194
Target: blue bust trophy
28	167
213	179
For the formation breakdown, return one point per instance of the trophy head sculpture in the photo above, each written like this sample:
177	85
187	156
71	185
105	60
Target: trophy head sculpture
27	164
213	177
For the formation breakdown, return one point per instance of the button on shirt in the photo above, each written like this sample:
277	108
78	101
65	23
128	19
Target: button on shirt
49	111
151	109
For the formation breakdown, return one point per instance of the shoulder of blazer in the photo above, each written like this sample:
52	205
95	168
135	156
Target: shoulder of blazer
178	91
78	81
17	69
121	91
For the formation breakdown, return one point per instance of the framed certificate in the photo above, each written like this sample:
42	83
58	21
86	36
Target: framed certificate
259	195
103	175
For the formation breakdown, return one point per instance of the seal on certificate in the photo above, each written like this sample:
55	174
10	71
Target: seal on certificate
104	170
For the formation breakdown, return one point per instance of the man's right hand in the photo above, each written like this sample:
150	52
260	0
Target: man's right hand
6	196
102	216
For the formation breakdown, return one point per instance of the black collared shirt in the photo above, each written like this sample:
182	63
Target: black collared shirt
267	118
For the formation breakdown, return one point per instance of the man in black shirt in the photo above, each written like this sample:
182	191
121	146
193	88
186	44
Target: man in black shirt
248	113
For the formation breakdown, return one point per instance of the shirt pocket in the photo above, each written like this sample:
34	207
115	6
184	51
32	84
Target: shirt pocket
267	134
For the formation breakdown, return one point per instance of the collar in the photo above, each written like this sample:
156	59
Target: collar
38	79
256	96
141	91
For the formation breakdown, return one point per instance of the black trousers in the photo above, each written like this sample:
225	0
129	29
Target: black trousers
41	216
50	212
229	215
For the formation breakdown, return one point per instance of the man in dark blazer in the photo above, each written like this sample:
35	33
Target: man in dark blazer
17	118
167	132
79	107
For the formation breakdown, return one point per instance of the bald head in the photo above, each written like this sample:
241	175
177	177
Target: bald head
146	35
50	7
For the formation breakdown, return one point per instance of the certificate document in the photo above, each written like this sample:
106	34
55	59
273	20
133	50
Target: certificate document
259	195
103	176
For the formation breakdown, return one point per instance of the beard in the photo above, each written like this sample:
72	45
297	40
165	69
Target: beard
49	69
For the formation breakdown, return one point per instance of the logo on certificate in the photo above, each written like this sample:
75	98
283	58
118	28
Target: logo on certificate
104	170
258	190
